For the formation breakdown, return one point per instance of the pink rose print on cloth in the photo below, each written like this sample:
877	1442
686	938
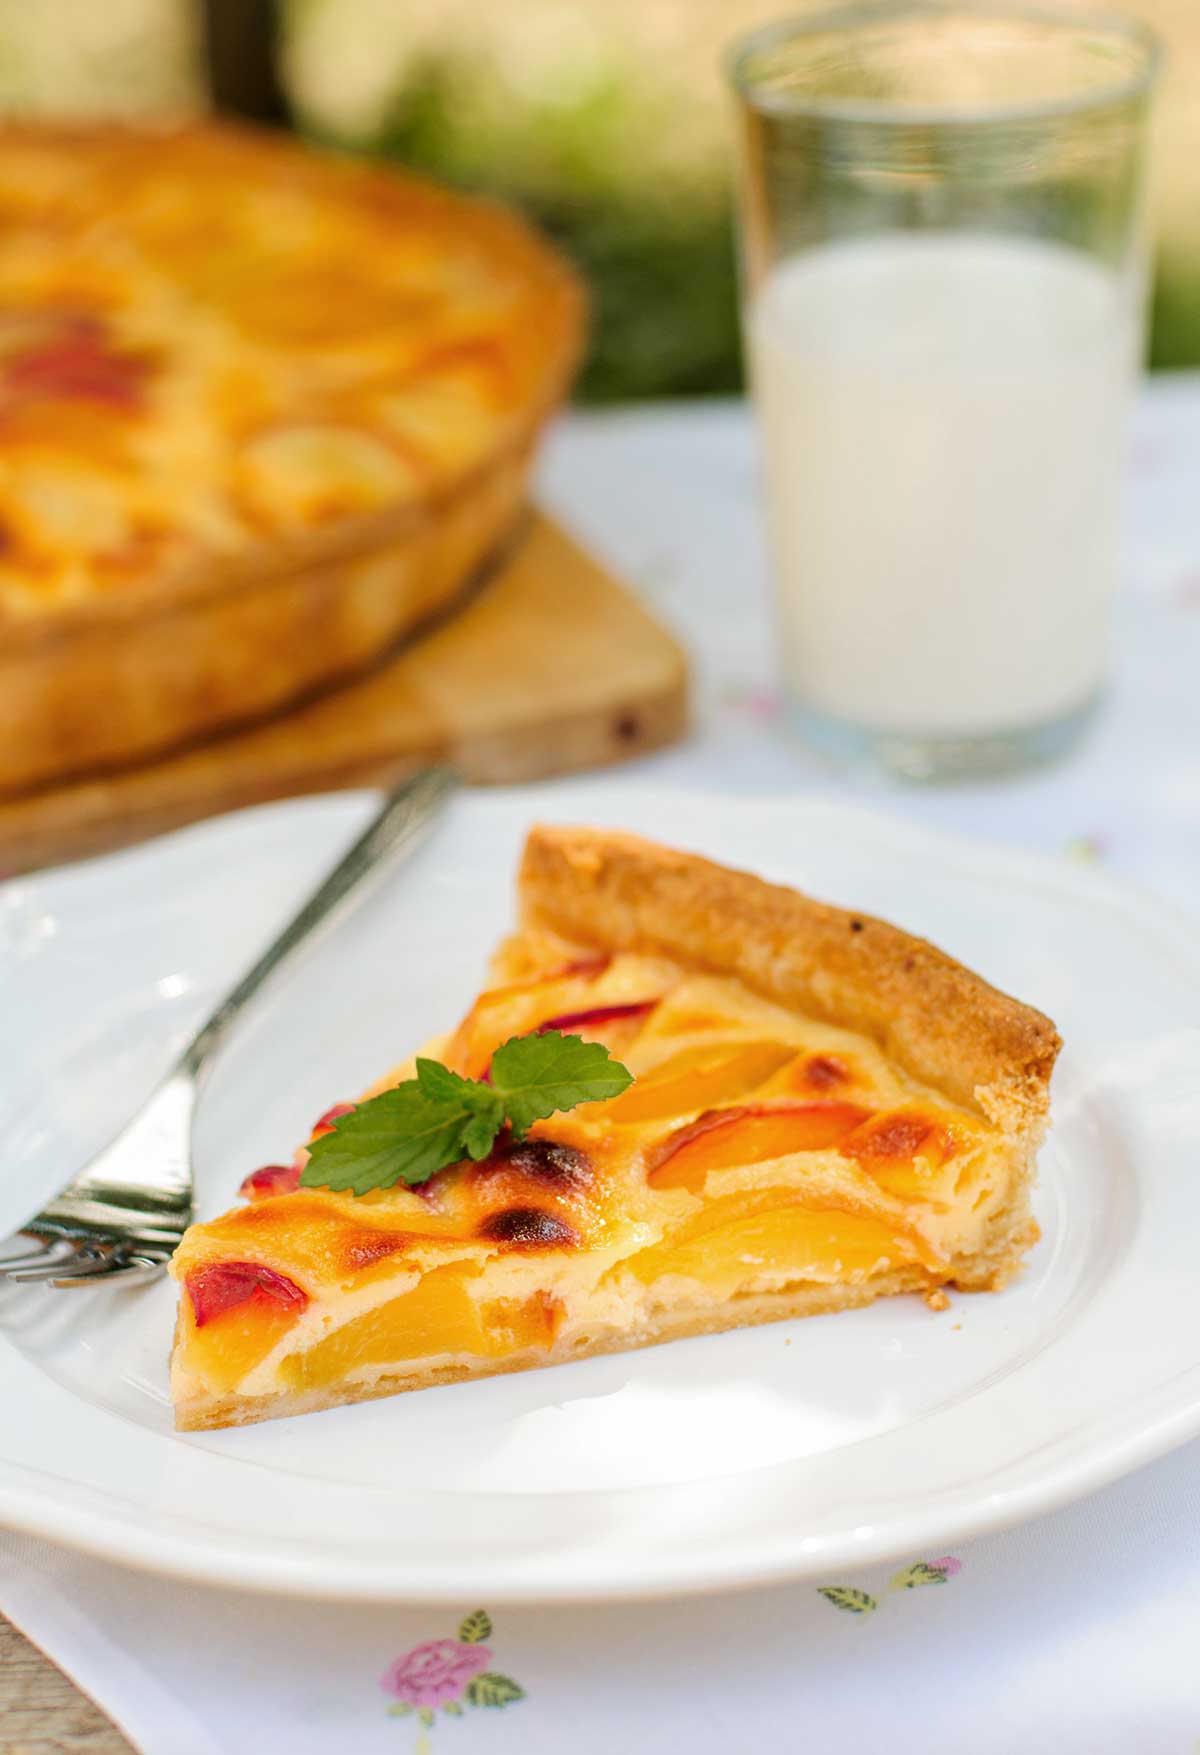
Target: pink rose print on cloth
861	1602
446	1675
435	1673
948	1565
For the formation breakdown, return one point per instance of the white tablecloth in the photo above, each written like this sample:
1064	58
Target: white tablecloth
1074	1635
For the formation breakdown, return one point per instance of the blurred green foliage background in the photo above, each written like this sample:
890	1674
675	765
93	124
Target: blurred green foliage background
605	119
661	268
608	122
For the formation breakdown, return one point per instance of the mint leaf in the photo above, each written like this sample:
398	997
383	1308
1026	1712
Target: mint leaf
443	1086
409	1133
400	1136
538	1075
484	1107
479	1133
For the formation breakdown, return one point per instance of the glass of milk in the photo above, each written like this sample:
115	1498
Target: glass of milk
944	269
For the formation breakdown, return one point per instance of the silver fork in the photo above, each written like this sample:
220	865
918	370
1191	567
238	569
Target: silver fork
122	1217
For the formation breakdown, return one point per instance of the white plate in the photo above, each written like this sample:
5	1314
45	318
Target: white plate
799	1448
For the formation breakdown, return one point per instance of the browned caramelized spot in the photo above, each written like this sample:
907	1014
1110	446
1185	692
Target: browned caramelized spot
362	1249
823	1072
528	1228
547	1161
892	1136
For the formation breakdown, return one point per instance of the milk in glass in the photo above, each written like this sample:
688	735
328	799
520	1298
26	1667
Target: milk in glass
942	421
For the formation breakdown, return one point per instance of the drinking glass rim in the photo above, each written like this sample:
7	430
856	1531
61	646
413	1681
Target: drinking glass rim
885	112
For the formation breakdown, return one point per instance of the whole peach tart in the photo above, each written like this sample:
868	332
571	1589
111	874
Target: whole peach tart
814	1110
263	410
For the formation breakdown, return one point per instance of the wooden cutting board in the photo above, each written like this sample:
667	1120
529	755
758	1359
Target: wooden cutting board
549	667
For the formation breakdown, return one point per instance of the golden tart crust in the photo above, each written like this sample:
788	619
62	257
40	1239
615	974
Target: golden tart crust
262	411
936	1019
811	1127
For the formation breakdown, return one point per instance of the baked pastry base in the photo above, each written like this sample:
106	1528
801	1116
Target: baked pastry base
748	1312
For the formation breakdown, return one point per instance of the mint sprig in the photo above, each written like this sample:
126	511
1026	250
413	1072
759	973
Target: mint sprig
538	1075
409	1133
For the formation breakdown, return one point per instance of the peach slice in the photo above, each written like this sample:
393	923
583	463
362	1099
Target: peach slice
324	1123
585	966
239	1310
903	1151
274	1179
615	1025
77	362
519	1007
271	1179
223	1354
746	1239
697	1077
225	1284
316	473
436	1316
592	1017
513	1324
726	1138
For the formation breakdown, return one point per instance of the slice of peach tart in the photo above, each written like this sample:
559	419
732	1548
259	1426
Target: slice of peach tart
746	1105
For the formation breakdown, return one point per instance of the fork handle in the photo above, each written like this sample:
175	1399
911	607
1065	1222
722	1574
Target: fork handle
407	813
